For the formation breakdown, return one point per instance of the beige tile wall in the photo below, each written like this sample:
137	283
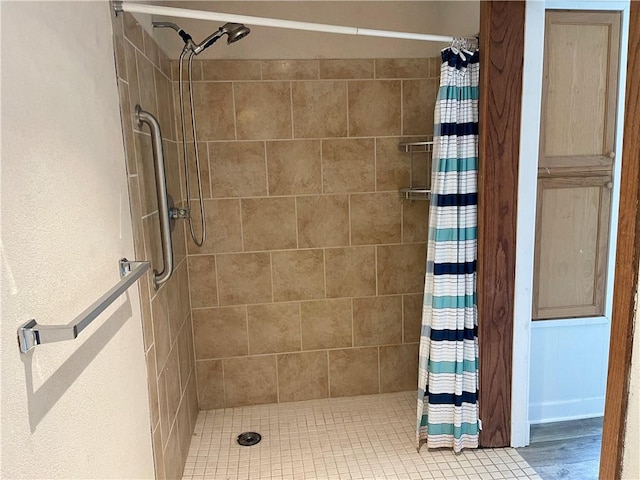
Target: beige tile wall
310	282
144	77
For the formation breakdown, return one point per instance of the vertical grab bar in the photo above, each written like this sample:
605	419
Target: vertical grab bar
163	200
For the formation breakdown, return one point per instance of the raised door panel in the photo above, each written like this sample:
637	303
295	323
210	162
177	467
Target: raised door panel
579	92
571	246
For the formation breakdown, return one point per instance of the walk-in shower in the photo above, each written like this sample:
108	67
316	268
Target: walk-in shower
234	32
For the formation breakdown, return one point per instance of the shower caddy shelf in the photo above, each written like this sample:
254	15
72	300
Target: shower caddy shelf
415	191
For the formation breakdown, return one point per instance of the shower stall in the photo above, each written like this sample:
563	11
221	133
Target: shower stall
299	275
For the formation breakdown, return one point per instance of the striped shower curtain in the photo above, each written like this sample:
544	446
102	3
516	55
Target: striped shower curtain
448	364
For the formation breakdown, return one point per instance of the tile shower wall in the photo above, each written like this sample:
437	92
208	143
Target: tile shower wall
310	282
144	78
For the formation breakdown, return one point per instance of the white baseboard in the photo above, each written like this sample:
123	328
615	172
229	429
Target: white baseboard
561	411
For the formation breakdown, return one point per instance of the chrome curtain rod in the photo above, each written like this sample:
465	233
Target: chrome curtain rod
120	6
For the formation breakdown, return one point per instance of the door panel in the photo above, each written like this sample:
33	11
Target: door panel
573	215
576	163
576	96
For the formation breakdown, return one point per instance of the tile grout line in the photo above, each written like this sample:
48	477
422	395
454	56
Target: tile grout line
271	271
266	169
235	112
241	229
291	108
324	270
246	321
300	324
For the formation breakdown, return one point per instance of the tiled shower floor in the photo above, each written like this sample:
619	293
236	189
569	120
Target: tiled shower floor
367	437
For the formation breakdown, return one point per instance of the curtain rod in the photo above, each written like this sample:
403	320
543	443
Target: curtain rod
120	6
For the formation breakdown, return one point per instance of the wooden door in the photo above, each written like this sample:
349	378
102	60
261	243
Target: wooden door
576	163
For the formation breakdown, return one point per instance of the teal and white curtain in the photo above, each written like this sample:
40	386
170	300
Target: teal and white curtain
448	364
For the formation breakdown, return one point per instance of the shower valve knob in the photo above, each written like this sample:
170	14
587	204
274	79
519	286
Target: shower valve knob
176	213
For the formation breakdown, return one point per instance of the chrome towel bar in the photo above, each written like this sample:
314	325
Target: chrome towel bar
31	333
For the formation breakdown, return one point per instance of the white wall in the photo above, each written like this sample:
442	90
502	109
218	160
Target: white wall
631	458
74	409
457	18
568	369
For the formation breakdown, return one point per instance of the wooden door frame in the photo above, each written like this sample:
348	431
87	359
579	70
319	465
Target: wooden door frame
627	261
502	47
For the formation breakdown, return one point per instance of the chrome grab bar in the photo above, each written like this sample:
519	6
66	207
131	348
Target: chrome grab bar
163	199
31	333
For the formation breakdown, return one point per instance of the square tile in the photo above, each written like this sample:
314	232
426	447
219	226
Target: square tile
146	85
399	367
298	275
348	165
213	112
377	320
326	324
244	278
220	332
323	221
269	223
412	317
202	280
303	376
289	69
402	67
353	371
210	384
217	70
324	446
393	165
263	110
223	226
418	105
294	167
415	221
374	108
350	271
146	173
401	268
238	169
319	109
203	160
376	218
346	68
250	380
274	328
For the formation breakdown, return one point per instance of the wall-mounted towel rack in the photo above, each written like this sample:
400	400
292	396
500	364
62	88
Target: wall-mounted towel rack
417	189
31	333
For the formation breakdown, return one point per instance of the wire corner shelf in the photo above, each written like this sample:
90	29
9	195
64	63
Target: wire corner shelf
415	190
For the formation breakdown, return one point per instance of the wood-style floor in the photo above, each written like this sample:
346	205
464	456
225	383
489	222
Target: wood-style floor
565	450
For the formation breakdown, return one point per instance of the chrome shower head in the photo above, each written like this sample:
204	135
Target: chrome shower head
234	32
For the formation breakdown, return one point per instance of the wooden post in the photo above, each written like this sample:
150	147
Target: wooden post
501	62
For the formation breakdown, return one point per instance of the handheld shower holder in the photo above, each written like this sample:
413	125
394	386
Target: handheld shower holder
176	213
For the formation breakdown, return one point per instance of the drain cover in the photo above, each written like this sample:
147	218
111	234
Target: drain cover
247	439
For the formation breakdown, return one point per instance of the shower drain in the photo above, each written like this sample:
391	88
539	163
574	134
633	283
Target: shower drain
247	439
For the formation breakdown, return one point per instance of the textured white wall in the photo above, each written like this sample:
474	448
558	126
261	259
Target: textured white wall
631	459
457	18
75	409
